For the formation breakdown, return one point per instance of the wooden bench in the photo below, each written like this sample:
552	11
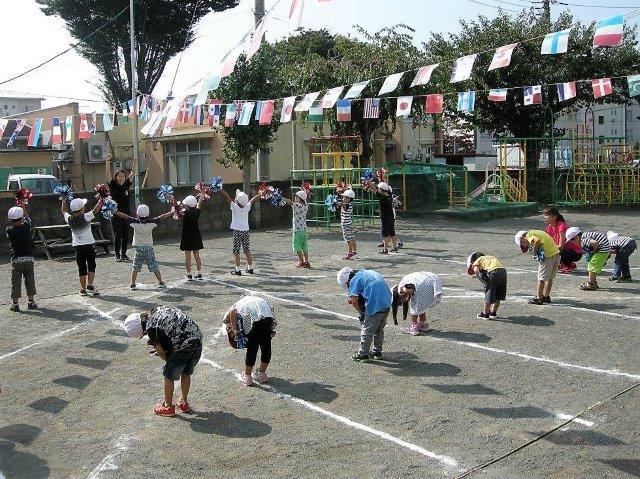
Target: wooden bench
48	243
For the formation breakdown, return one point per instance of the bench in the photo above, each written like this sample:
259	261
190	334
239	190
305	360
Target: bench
51	244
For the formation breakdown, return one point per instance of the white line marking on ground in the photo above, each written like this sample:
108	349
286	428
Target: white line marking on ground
577	420
108	463
563	364
446	460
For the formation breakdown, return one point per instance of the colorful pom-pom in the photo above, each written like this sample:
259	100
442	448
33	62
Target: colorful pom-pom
367	175
102	190
178	208
204	190
165	193
64	192
109	207
216	184
381	173
331	202
276	199
23	195
265	191
341	187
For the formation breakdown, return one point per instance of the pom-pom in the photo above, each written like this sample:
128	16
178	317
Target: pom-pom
204	190
64	192
216	184
367	185
381	174
165	193
331	202
397	204
276	199
265	191
588	252
109	207
178	208
341	187
539	255
367	179
23	195
307	188
102	190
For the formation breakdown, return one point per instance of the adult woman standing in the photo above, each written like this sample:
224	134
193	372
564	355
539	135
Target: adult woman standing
119	184
557	228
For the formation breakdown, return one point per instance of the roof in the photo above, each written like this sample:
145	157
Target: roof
30	176
186	133
72	105
21	98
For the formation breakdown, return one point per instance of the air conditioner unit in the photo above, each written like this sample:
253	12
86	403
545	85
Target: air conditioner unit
96	152
42	171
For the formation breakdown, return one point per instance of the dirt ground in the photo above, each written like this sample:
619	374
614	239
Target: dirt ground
77	396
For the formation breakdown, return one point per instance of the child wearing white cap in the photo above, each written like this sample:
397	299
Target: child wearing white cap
346	222
83	241
494	277
191	239
143	242
622	247
597	251
387	217
547	253
240	208
19	235
300	238
417	293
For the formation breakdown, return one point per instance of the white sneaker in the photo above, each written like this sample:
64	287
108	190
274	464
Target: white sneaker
260	376
245	380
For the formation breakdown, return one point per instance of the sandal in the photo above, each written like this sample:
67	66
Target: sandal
537	301
589	286
300	265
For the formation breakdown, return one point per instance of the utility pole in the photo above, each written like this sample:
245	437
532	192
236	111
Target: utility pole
134	95
546	10
258	15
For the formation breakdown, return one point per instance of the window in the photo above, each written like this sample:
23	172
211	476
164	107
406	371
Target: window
6	107
188	162
601	120
27	108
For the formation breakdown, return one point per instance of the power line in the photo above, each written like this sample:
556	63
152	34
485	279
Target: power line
11	92
72	47
495	6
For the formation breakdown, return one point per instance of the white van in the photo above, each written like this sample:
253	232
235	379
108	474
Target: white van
38	184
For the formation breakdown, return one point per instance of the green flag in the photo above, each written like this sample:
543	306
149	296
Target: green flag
315	114
634	85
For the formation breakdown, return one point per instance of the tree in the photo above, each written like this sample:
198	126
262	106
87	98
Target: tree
528	67
163	29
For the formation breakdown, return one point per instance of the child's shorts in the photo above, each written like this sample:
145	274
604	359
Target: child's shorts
300	241
181	363
495	289
347	233
388	226
145	255
597	262
241	239
548	269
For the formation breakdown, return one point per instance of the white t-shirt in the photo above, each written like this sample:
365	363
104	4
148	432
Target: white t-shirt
81	233
252	309
143	232
240	217
428	291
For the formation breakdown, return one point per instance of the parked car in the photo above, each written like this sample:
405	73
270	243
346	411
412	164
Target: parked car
38	184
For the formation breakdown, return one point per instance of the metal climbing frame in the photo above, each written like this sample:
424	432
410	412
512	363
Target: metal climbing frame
602	184
510	181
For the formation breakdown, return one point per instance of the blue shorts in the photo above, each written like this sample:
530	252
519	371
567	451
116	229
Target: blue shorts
181	363
145	255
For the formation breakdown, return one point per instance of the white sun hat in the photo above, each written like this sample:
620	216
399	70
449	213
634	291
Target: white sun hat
611	235
384	186
302	195
349	193
133	326
572	233
15	213
241	198
343	276
77	204
190	201
143	211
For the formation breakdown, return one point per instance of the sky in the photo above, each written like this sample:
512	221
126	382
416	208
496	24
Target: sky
35	37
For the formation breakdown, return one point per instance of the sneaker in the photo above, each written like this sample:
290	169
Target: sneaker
244	379
546	299
564	269
118	259
300	265
260	377
589	286
237	272
361	358
189	277
14	307
32	305
625	279
93	291
482	315
400	244
162	285
393	250
198	276
83	292
614	279
347	256
164	410
376	356
249	270
413	330
493	315
423	326
133	286
307	265
183	406
381	245
537	301
125	258
384	251
573	266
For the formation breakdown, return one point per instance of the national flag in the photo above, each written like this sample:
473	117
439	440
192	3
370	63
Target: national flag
466	101
125	112
403	107
371	108
184	113
256	38
115	116
533	95
93	126
497	94
316	114
266	112
257	111
20	124
601	87
434	104
424	75
132	107
633	82
34	134
356	89
329	99
390	83
214	112
145	111
107	123
228	62
462	68
56	131
198	117
84	134
152	124
211	82
556	42
502	56
287	109
68	129
566	91
3	126
307	101
609	32
230	115
172	115
343	111
246	113
295	14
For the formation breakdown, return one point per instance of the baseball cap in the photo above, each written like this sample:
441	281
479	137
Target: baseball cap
343	276
143	211
190	201
611	235
518	237
77	204
15	213
302	195
241	198
349	193
472	259
133	326
572	233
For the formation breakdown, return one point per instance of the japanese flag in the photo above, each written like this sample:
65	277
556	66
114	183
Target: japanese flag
287	109
404	106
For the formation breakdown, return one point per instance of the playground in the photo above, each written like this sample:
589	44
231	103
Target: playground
543	391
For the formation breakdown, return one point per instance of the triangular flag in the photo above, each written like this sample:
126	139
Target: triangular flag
343	112
266	112
287	109
566	91
295	14
424	75
316	114
502	56
466	101
556	42
601	87
230	115
403	107
434	104
356	89
68	129
307	101
462	68
34	135
390	83
330	98
609	32
633	82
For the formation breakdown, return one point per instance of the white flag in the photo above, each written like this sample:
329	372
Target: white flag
390	83
307	101
356	89
463	67
256	38
331	97
287	109
404	106
172	116
502	56
424	75
295	14
68	129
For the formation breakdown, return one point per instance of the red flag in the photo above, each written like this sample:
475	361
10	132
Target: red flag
601	87
84	128
434	104
184	113
266	113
